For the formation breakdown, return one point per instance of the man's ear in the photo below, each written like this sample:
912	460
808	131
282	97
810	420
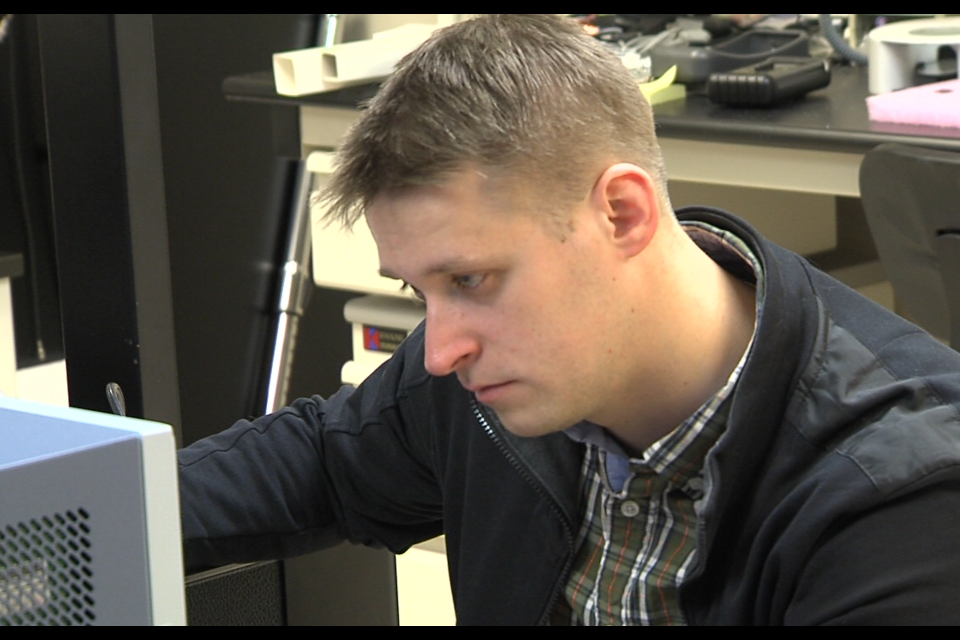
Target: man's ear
626	200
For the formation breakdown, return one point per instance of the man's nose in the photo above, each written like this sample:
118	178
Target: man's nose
450	344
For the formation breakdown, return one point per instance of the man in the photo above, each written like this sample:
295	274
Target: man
615	413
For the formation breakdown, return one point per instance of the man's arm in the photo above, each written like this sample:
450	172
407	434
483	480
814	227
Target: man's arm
898	564
236	489
311	475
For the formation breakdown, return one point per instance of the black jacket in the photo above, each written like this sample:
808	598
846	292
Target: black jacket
833	496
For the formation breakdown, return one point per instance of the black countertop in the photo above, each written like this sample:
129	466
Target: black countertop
834	118
831	119
11	265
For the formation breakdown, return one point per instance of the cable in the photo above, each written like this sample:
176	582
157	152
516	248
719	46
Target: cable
839	44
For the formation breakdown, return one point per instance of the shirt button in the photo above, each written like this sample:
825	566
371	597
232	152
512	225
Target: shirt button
630	509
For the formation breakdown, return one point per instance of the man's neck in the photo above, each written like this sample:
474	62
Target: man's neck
704	337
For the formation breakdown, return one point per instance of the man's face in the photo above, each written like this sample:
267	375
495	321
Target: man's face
520	314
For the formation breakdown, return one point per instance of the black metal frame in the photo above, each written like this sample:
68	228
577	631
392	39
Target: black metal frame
106	168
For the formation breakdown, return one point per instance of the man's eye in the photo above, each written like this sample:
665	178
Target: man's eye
471	281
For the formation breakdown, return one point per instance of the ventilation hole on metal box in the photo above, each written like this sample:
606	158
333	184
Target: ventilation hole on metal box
46	576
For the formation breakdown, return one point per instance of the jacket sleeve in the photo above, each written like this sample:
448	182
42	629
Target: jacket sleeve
355	467
898	564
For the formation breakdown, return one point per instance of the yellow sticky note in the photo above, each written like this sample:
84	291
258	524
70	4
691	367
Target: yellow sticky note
662	89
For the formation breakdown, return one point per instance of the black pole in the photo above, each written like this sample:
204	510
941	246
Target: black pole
103	129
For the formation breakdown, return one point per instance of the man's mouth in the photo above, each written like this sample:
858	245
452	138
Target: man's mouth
490	393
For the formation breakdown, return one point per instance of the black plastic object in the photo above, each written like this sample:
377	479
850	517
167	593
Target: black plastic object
769	83
696	63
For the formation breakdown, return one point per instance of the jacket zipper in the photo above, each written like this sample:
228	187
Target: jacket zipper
521	469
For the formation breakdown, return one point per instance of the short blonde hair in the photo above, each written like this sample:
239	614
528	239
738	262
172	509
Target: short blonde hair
530	97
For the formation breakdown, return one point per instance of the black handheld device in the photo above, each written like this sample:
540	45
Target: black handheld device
770	82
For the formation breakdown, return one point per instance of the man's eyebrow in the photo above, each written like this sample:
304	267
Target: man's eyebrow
454	265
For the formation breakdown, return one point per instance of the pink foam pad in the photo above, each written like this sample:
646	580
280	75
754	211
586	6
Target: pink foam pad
936	104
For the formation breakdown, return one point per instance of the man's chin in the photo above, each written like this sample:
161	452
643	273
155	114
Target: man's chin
525	426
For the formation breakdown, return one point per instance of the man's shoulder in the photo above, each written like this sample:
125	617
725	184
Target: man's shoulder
884	395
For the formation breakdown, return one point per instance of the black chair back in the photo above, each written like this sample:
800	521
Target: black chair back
911	197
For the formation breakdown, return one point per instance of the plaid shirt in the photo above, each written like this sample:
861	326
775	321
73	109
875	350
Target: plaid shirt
637	540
